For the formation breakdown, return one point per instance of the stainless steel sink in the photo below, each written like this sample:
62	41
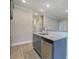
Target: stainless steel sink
43	33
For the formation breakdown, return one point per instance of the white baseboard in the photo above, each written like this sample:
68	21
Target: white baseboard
20	43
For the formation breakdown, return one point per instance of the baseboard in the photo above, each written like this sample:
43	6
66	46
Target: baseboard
20	43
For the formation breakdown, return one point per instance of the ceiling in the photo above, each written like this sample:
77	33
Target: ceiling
58	8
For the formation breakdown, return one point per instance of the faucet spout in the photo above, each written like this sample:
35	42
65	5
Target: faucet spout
45	30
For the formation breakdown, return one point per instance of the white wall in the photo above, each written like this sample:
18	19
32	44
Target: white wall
56	24
63	25
21	26
52	24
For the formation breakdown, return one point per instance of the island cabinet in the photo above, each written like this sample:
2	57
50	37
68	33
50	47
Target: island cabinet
49	49
37	44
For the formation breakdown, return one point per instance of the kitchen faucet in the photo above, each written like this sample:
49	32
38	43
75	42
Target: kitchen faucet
45	30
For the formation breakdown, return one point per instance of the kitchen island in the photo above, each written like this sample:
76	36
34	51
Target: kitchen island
50	46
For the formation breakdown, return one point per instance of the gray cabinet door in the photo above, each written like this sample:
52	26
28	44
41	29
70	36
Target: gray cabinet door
34	41
37	44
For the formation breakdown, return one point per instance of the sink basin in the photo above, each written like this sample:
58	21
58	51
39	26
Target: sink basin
43	33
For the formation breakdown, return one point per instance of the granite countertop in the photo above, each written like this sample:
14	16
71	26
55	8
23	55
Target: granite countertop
52	37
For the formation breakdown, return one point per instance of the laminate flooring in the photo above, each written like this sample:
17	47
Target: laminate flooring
23	52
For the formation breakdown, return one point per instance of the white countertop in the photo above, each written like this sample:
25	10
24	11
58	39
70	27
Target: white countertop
52	37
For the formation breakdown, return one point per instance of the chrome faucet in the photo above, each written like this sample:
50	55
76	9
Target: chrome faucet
46	30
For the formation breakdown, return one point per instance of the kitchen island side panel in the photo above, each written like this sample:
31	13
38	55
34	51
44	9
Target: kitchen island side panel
60	49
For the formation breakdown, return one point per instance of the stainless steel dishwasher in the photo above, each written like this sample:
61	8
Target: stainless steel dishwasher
46	51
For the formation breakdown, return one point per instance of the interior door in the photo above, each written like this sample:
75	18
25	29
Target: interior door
38	23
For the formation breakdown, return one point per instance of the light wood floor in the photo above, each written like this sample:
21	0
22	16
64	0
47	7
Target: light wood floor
23	52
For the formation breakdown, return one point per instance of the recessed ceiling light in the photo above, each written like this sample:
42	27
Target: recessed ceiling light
47	5
41	10
23	1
